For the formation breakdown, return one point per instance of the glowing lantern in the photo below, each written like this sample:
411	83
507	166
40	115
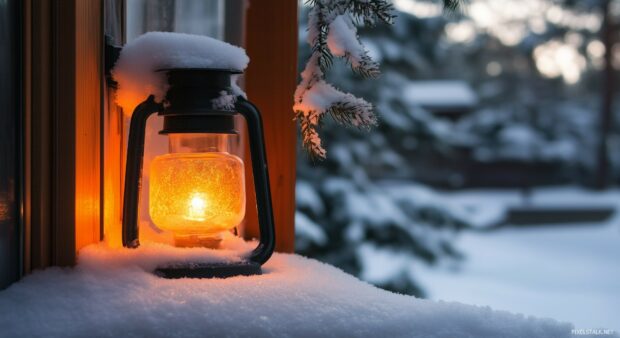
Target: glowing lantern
197	190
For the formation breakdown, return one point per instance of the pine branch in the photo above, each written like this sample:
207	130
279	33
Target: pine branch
331	31
372	10
358	115
346	109
451	5
310	140
367	68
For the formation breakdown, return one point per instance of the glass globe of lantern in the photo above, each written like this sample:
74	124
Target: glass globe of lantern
197	190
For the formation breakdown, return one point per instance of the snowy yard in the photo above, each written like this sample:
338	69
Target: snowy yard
111	293
569	272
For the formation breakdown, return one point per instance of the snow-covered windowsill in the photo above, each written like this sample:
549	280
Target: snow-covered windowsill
112	293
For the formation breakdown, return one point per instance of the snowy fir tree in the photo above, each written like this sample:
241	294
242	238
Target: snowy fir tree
345	215
360	203
539	79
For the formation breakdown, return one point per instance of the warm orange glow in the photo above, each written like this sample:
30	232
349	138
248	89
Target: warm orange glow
4	208
197	208
197	193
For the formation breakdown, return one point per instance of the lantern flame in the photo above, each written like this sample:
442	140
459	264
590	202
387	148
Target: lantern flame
197	208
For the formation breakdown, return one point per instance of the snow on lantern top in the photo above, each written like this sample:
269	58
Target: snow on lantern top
136	70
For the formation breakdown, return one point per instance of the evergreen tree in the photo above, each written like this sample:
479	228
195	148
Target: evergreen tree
345	216
360	203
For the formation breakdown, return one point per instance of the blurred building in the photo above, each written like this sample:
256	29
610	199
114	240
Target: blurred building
444	98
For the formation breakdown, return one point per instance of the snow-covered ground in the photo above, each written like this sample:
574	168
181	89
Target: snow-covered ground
569	272
111	293
567	196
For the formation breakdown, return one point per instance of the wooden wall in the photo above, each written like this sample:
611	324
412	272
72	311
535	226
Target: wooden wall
88	104
62	101
113	137
271	43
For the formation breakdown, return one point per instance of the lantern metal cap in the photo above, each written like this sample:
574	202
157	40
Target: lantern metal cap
214	124
190	104
193	91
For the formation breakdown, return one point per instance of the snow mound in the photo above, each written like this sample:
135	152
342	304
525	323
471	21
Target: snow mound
111	293
136	69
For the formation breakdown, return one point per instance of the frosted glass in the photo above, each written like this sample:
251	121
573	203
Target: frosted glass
197	193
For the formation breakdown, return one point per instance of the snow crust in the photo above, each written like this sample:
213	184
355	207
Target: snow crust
226	101
544	197
111	293
566	271
136	69
342	40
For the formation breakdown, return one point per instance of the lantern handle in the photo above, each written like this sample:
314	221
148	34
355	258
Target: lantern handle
133	169
261	180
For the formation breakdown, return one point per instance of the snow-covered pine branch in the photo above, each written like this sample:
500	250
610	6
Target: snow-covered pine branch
332	32
451	5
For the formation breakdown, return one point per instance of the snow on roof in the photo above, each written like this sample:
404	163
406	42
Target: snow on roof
440	94
111	293
136	69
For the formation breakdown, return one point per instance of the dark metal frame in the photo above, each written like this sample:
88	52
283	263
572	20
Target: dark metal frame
189	109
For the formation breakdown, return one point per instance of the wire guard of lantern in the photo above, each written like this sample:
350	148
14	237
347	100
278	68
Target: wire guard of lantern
197	191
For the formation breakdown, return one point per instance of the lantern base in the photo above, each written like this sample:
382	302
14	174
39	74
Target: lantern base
197	241
209	270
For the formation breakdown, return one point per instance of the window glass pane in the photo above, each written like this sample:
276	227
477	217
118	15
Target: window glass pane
185	16
9	224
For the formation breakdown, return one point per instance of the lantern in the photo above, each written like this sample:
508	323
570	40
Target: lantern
197	190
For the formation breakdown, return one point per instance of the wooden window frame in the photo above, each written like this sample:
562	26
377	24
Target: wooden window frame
62	114
271	43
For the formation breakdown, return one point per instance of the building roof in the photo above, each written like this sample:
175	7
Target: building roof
441	95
